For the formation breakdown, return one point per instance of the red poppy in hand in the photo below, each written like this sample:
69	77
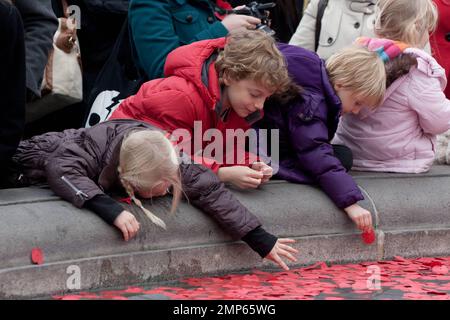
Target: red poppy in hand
368	236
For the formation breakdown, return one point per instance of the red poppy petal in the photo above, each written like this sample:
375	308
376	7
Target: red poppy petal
71	297
37	257
125	200
368	236
439	270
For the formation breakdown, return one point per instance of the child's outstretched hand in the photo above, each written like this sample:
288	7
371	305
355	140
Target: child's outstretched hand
128	224
265	169
241	176
360	216
282	249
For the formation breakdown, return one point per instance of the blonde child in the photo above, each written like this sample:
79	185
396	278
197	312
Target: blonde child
400	135
351	78
81	165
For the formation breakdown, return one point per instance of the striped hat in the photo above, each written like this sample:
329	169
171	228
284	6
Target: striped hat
386	49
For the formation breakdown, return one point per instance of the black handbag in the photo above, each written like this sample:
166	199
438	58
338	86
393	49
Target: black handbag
119	78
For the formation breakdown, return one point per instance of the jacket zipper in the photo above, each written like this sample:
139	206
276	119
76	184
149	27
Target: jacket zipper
78	192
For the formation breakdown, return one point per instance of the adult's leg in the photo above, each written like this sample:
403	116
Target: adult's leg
12	83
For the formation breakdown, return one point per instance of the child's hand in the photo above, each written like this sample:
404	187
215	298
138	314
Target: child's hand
266	170
241	176
360	216
128	224
282	249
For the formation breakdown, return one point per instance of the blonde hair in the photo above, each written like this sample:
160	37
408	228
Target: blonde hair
253	54
148	158
405	20
359	70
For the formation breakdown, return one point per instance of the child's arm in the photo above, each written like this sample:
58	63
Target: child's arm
114	214
427	98
261	242
68	178
315	156
204	190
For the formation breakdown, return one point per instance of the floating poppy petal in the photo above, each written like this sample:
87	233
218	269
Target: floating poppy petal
71	297
440	270
133	290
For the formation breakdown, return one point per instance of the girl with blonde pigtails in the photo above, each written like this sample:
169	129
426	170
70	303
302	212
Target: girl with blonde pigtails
132	156
149	171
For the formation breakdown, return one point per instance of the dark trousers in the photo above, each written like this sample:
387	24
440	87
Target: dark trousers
12	83
345	155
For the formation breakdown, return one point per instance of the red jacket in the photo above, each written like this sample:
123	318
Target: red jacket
190	92
440	40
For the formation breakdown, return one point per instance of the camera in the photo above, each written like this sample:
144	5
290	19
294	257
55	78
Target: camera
258	10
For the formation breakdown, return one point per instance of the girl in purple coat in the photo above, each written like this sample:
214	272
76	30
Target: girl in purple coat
350	79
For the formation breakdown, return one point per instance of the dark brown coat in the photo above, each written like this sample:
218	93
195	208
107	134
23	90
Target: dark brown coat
80	164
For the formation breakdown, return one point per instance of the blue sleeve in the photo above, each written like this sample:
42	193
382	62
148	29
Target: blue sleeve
155	37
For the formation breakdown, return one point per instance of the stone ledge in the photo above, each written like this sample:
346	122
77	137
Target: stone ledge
411	213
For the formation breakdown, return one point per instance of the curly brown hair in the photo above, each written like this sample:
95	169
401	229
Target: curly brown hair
253	54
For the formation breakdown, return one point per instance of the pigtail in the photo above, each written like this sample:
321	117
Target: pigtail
147	212
177	192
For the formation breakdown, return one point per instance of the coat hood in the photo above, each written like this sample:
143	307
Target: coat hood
195	63
308	70
425	64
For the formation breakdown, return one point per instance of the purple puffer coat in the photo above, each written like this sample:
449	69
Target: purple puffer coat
306	127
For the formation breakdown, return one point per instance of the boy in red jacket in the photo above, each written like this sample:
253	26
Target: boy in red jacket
215	89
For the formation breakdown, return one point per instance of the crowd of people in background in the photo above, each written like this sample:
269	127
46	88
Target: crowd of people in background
348	84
